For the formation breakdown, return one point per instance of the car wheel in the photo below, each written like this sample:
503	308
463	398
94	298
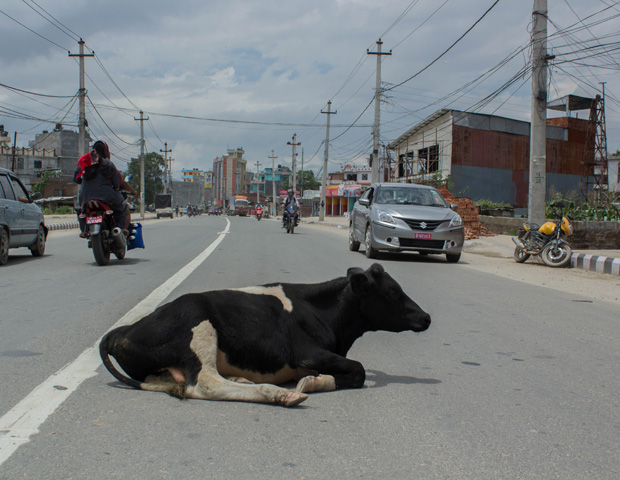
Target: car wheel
4	246
453	257
354	245
38	248
370	251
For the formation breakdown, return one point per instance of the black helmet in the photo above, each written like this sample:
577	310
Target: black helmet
291	193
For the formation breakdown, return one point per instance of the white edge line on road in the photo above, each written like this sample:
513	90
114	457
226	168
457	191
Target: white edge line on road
25	418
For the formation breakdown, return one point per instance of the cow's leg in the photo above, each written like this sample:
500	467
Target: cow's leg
239	380
336	372
211	385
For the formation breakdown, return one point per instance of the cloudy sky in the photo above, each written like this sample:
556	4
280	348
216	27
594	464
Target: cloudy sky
220	74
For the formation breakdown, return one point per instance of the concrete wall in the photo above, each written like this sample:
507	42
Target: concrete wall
587	235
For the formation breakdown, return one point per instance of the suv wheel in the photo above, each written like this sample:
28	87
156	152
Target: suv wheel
38	248
4	246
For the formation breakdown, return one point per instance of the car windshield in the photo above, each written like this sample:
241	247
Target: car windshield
410	196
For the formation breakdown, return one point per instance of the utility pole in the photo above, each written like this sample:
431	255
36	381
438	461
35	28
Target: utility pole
374	161
165	151
142	192
538	133
294	162
301	177
257	196
273	183
325	157
82	119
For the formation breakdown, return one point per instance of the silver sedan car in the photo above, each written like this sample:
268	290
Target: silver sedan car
406	217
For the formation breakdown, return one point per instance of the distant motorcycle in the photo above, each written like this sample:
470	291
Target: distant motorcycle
104	236
290	217
259	214
547	241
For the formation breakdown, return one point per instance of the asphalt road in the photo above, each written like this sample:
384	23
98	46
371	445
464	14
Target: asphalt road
512	380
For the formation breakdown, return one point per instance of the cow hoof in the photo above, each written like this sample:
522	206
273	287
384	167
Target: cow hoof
294	398
305	385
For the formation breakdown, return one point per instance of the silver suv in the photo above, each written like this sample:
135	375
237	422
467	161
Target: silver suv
402	216
21	221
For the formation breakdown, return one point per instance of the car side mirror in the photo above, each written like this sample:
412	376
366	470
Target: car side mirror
454	206
364	201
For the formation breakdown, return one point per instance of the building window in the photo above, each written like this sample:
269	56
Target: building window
58	193
20	163
428	159
351	176
364	176
38	164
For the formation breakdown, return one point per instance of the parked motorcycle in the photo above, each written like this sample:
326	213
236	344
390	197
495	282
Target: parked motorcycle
290	218
104	236
547	241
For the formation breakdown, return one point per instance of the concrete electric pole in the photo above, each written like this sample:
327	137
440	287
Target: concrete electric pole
273	183
294	162
82	116
374	165
168	172
538	133
325	157
142	193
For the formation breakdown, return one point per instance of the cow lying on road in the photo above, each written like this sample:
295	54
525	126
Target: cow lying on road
238	344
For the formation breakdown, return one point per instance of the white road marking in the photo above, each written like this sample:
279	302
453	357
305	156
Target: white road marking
25	418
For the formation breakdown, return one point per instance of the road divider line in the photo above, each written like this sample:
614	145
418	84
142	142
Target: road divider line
25	418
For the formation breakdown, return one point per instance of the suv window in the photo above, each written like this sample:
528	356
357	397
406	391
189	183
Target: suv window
5	188
18	188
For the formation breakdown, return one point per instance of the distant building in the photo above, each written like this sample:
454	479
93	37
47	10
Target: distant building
229	176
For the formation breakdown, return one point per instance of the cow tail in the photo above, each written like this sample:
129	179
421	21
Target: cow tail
105	358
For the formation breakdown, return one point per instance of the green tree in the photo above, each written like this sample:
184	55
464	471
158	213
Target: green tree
154	168
305	179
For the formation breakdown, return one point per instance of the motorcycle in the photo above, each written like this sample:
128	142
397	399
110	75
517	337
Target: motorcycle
546	241
104	236
290	218
259	214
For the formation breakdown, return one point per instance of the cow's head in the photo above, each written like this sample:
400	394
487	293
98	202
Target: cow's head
384	305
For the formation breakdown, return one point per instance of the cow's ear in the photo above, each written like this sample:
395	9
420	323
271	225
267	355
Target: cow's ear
376	269
354	270
360	284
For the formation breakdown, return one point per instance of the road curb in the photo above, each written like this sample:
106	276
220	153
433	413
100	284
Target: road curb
63	226
595	263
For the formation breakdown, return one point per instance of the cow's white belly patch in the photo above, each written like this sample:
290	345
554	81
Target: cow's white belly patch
276	291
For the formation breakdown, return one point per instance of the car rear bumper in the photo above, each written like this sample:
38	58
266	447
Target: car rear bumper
402	238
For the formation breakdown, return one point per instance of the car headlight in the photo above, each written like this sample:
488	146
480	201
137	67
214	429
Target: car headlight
456	221
385	217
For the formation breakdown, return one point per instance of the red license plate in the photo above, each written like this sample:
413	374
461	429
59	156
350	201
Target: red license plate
91	220
425	236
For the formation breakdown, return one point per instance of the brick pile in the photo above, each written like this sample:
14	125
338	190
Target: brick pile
469	214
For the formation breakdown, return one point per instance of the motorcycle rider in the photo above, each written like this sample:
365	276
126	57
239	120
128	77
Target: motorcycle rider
291	199
259	210
101	180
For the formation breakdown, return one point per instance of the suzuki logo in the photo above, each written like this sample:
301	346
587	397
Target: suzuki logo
423	225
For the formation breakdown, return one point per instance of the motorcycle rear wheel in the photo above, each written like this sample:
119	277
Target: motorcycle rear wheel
100	250
520	256
557	257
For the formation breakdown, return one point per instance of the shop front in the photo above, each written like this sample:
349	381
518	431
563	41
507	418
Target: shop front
339	199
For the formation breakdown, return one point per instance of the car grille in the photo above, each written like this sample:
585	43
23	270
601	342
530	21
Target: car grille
415	243
430	225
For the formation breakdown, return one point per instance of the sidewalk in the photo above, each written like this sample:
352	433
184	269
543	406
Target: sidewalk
601	261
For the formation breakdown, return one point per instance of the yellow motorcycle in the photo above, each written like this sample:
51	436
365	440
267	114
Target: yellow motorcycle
547	241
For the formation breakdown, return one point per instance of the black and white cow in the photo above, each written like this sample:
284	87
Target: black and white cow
238	344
